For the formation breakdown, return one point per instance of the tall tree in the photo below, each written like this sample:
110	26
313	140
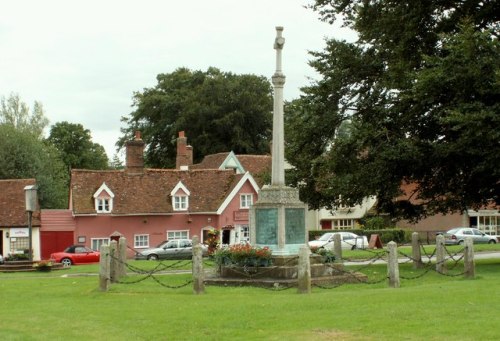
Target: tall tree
74	142
24	155
421	88
219	111
15	112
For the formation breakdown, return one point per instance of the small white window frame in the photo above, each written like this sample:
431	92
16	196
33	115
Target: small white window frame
141	244
177	234
246	200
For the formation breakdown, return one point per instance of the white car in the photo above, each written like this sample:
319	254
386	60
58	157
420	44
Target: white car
349	241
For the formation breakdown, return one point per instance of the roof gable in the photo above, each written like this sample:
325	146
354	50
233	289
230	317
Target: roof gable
232	162
104	188
236	189
180	187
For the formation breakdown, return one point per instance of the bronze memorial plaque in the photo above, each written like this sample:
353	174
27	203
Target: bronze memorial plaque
266	227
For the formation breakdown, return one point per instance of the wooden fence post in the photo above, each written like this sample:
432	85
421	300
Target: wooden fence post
393	265
104	268
415	251
304	271
198	277
113	268
337	247
440	255
469	266
122	256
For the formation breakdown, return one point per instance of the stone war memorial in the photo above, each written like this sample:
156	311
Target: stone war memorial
278	220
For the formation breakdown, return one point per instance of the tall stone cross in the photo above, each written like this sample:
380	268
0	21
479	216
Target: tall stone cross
278	152
277	219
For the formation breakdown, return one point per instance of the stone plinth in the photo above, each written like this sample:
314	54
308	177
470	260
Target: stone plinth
277	220
285	272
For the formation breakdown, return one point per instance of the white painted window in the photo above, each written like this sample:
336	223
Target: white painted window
103	205
180	203
246	200
180	234
97	242
141	241
342	224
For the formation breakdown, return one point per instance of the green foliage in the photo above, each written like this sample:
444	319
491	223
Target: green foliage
375	223
23	156
16	113
219	111
76	147
327	255
420	89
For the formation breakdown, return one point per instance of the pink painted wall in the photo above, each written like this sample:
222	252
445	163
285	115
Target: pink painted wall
228	216
104	225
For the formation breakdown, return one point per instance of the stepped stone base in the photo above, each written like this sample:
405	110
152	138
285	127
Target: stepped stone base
25	266
284	272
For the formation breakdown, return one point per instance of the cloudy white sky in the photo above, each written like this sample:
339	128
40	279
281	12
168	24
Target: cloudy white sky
83	60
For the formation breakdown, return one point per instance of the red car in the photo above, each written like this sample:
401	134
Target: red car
76	254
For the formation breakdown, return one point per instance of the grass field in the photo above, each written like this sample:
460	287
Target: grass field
67	305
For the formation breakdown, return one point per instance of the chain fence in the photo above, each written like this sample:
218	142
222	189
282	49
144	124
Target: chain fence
161	269
352	270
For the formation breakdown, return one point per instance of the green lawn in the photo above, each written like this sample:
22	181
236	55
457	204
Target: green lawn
67	305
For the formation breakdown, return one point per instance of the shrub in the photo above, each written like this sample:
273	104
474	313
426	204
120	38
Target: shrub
243	255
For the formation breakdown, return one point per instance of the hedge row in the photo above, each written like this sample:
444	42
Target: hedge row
386	235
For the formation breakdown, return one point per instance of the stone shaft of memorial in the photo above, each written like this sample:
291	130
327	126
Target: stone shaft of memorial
278	151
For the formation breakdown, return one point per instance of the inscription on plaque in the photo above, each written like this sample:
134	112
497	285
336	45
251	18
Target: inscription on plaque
295	232
266	227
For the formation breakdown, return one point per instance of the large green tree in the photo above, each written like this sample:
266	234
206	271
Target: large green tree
15	112
74	142
24	155
219	111
421	88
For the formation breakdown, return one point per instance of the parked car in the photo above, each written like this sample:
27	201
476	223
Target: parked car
76	254
171	249
457	236
348	240
1	259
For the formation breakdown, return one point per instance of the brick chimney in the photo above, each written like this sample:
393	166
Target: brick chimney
134	163
184	157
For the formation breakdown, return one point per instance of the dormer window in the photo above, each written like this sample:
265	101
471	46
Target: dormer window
180	197
180	203
103	199
103	205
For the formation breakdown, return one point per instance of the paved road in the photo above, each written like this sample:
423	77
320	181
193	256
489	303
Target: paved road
477	255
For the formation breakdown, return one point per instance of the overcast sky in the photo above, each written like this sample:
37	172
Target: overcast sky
83	60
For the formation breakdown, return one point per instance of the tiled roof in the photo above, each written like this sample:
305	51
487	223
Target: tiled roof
150	192
12	203
258	165
212	161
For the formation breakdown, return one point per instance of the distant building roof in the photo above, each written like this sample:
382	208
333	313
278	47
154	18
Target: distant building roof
258	165
13	205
